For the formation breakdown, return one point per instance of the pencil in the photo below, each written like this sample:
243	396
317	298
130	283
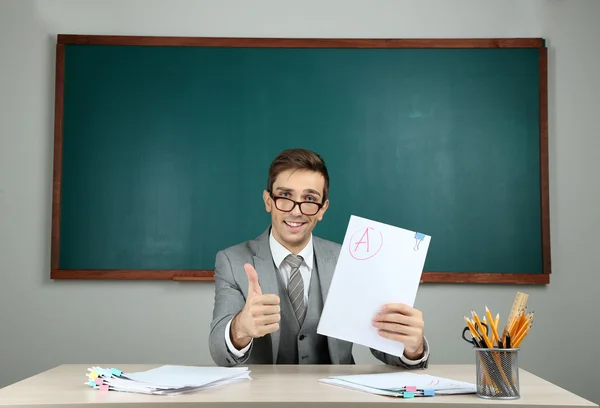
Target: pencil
492	323
519	304
483	332
526	327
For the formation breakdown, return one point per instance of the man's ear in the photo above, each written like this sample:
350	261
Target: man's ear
268	201
322	210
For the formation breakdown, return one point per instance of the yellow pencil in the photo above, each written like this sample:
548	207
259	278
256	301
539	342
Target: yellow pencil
521	336
492	323
483	332
525	330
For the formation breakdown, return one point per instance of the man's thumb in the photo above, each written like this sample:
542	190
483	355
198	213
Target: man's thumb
253	286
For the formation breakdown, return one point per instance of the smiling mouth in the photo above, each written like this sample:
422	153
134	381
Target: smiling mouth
294	224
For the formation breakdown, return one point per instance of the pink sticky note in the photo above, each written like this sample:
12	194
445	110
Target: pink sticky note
411	388
104	387
99	381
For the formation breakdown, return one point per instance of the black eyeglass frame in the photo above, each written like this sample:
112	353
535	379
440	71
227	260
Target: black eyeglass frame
296	203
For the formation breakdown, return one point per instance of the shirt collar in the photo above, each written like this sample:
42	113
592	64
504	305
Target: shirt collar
279	252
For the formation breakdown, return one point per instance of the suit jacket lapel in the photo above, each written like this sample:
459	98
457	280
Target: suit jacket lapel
326	264
263	263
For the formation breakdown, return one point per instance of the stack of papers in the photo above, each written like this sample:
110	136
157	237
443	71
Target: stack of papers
165	380
402	384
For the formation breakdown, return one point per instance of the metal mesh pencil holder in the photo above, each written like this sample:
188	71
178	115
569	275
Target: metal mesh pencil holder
497	373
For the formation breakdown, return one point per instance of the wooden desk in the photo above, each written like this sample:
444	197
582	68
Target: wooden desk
271	386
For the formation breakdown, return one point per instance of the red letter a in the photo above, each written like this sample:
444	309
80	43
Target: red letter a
366	234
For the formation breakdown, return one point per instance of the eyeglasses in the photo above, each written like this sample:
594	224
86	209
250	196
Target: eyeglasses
287	204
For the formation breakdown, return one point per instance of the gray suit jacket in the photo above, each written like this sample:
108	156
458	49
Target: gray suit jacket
231	290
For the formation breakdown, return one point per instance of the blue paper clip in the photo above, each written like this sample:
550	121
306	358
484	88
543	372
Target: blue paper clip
419	238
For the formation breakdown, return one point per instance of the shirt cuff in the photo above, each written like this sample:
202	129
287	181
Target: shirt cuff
406	360
232	349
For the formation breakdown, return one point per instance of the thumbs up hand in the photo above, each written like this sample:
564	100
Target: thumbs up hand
259	317
253	285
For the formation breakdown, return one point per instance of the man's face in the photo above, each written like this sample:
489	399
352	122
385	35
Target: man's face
292	229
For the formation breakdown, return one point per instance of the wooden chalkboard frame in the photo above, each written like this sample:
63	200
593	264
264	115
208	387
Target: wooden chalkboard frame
207	275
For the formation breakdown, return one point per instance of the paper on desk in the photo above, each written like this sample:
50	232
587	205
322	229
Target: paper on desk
395	384
358	387
165	380
185	376
378	264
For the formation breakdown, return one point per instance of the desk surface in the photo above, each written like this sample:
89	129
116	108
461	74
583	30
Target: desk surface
271	385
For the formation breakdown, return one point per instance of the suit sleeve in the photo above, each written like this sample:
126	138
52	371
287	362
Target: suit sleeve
403	361
229	301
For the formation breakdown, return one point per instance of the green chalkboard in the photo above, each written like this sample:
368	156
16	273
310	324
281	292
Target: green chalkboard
163	150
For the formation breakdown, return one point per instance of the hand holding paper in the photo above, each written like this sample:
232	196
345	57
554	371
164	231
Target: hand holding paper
379	265
402	323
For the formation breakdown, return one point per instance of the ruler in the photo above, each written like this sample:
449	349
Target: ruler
518	307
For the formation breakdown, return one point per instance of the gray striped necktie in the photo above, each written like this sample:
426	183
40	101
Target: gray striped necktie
296	287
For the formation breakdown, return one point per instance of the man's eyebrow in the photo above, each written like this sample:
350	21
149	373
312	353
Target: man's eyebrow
284	189
306	191
311	191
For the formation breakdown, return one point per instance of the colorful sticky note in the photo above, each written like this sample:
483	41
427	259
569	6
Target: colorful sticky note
116	372
428	393
104	387
99	381
93	375
408	394
411	388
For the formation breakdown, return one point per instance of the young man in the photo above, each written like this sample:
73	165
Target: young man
270	291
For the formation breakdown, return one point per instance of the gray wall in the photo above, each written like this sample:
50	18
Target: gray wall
45	323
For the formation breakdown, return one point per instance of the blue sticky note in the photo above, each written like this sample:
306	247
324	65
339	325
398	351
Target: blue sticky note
428	393
116	372
408	394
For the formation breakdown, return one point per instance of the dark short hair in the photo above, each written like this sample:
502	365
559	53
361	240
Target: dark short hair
298	159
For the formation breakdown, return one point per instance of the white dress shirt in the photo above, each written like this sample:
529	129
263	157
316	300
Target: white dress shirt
279	252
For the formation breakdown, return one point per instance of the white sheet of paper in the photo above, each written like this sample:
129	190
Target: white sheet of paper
352	386
399	380
378	264
185	376
393	383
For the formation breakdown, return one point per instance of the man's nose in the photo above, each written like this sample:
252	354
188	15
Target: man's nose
296	211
